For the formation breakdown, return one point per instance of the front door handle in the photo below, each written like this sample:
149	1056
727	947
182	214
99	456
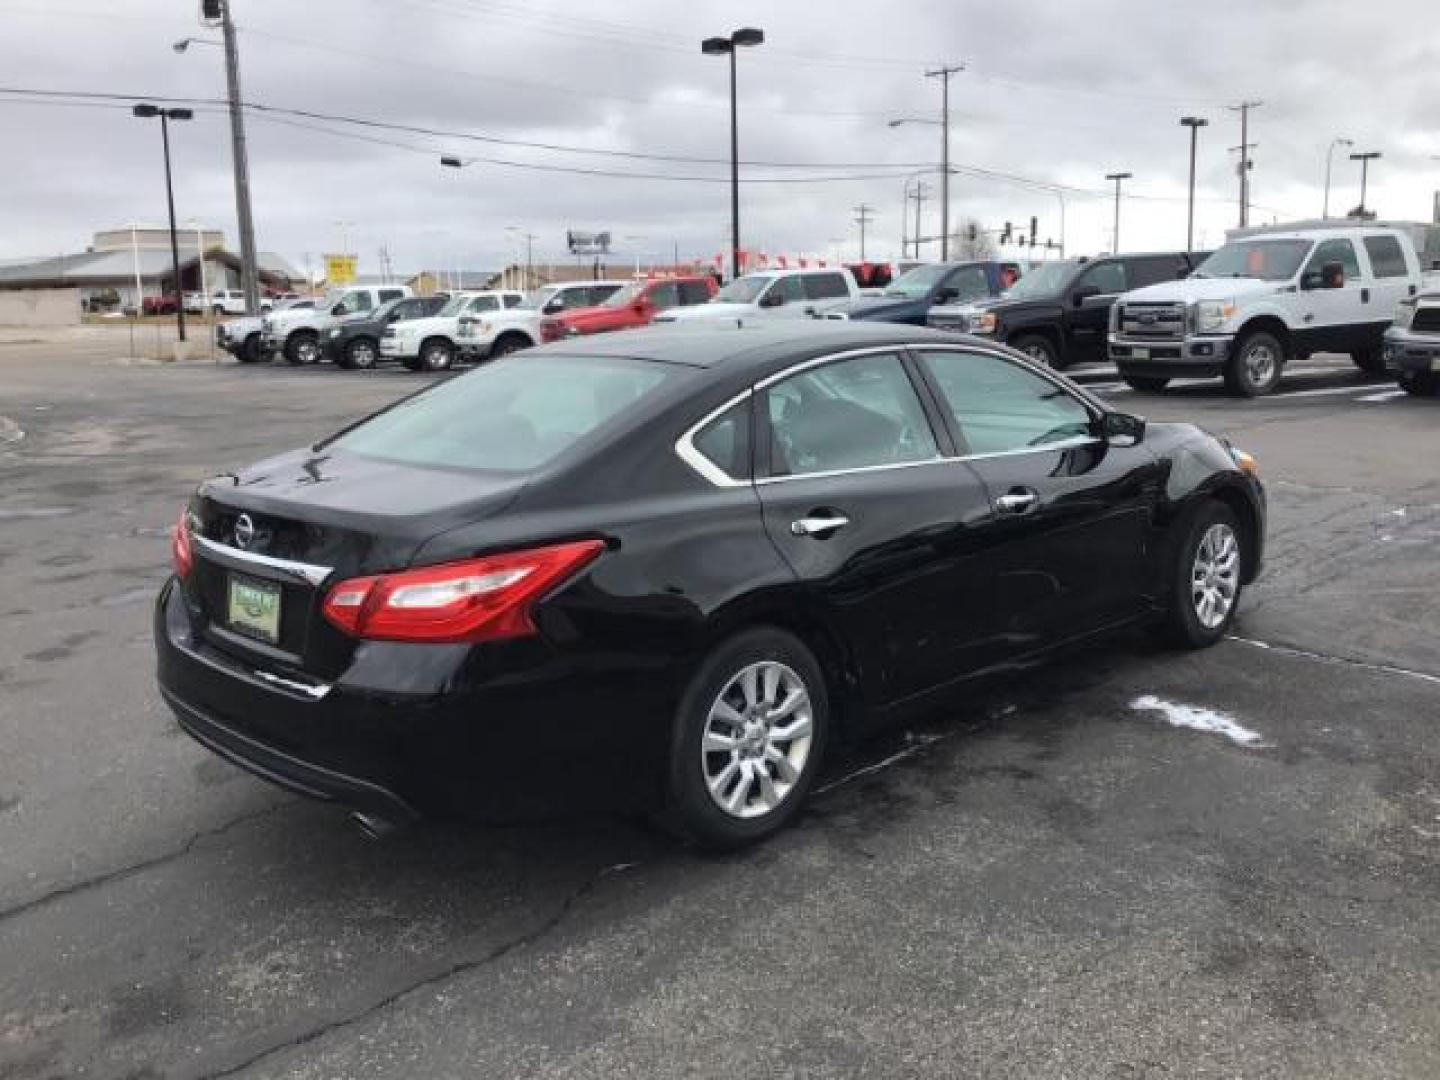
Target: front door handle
817	525
1018	501
1365	296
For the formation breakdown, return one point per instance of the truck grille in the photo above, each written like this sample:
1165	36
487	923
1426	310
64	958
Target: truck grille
1155	322
1427	320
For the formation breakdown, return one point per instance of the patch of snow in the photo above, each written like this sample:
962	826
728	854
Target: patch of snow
1198	719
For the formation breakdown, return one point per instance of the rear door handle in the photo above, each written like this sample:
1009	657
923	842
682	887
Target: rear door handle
1019	501
818	526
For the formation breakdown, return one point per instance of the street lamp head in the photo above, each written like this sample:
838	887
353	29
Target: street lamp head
894	123
1194	121
180	114
181	45
747	37
715	46
451	162
1119	176
145	111
1369	155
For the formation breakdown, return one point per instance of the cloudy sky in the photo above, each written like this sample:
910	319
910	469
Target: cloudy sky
1056	94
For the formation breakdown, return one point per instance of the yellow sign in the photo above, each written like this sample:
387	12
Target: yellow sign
339	269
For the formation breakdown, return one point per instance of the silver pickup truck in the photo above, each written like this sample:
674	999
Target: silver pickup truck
1412	344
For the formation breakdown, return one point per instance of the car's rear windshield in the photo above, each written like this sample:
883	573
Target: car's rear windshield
513	415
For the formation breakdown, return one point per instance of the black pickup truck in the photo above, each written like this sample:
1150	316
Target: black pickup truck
1059	312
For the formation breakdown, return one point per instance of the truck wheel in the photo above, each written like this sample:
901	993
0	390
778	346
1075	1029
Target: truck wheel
1151	384
250	352
360	353
1370	361
1419	383
437	354
302	348
1256	365
1040	349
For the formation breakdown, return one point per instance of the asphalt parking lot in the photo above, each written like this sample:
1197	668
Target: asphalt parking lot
1132	864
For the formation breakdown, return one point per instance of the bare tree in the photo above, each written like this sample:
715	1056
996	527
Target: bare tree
971	241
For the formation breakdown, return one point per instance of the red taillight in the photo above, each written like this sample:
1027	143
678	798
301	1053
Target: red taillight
483	599
181	551
552	330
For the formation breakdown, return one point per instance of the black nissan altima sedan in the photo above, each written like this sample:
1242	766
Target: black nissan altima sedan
665	570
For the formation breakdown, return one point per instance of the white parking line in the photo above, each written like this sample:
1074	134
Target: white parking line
1325	391
1386	395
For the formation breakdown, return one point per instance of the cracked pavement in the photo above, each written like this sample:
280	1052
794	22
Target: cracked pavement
1039	881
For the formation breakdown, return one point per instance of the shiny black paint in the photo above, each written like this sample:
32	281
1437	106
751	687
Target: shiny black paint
373	326
930	587
913	311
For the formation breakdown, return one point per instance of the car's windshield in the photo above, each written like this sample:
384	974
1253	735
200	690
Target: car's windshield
917	283
628	295
509	416
1269	260
1047	279
743	290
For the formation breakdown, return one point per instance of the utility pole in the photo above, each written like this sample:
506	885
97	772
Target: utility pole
943	74
1117	177
864	214
1245	164
249	272
919	202
1194	123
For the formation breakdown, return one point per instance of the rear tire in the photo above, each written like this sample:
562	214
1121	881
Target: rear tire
437	354
302	348
506	344
1419	383
1040	349
1151	384
1370	361
1205	575
360	353
1256	366
741	759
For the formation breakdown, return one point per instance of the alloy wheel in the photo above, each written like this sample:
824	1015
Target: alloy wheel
362	354
1260	361
1215	575
757	739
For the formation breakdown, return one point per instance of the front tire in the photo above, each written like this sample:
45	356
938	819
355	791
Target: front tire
1205	578
1370	361
250	352
1151	384
361	353
1256	366
507	344
748	739
1040	349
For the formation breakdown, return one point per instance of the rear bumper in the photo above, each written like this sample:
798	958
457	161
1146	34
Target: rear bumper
1410	353
1199	356
512	732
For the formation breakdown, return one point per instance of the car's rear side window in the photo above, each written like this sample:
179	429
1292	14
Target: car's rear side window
509	416
1386	258
825	286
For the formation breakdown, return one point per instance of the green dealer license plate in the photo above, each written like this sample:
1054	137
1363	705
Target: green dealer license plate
253	608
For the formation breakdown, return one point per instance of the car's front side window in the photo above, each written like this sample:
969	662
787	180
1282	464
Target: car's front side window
998	407
857	413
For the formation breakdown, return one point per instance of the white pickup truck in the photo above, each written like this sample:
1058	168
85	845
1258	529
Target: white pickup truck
773	294
297	332
1264	299
432	343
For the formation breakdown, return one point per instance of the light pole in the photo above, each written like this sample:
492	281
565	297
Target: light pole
945	170
1194	123
1329	154
728	46
1117	177
149	112
529	239
1364	159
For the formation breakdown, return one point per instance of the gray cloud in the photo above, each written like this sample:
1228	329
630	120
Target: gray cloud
1056	91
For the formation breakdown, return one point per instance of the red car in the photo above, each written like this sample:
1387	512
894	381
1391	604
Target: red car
165	304
635	305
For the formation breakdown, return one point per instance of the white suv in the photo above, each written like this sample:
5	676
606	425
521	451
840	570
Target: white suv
773	294
518	326
433	343
1265	298
297	331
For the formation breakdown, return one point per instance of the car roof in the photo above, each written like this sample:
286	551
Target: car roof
712	345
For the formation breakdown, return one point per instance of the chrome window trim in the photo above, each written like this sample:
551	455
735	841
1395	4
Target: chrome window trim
708	470
308	572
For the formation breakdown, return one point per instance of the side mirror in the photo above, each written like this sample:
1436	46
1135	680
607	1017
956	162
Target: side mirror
1080	295
1182	273
948	295
552	306
1122	429
773	298
338	309
641	306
